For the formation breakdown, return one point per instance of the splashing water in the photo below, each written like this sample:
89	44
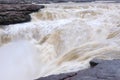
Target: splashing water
60	38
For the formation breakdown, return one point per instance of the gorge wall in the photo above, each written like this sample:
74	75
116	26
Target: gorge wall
49	1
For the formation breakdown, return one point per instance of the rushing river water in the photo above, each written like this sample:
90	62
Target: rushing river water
60	38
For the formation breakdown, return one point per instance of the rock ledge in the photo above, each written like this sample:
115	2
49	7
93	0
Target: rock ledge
100	70
17	13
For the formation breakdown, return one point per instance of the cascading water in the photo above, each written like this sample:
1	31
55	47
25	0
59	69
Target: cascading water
60	38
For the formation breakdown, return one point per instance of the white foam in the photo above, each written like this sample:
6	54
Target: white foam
60	38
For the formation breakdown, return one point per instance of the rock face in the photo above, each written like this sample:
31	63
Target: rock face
17	13
49	1
100	70
40	1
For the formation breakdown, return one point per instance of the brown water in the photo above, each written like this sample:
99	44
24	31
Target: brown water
60	38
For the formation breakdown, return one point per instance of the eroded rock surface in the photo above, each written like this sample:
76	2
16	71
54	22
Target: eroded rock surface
17	13
100	70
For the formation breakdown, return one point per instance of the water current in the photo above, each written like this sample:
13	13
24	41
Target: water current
60	38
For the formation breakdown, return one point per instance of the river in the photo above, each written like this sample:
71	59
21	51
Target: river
60	38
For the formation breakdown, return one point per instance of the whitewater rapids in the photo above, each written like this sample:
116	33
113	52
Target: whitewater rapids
60	38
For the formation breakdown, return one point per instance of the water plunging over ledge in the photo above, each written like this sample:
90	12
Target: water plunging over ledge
60	38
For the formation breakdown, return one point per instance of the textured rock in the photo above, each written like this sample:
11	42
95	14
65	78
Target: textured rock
37	1
102	70
49	1
17	13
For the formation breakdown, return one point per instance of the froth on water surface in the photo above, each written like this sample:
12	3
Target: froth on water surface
60	38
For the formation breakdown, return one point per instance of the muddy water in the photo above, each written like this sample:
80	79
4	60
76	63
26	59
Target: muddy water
60	38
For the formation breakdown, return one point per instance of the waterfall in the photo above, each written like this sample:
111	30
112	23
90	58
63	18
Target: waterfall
61	38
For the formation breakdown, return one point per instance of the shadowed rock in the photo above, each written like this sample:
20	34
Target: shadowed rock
100	70
17	13
48	1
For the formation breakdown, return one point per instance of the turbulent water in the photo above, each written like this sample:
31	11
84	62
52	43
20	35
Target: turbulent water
60	38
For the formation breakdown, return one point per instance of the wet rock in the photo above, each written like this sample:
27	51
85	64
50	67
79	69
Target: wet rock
95	62
102	70
17	13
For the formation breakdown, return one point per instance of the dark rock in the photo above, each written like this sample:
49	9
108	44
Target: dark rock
83	0
17	13
59	1
95	62
13	18
102	70
20	7
47	1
